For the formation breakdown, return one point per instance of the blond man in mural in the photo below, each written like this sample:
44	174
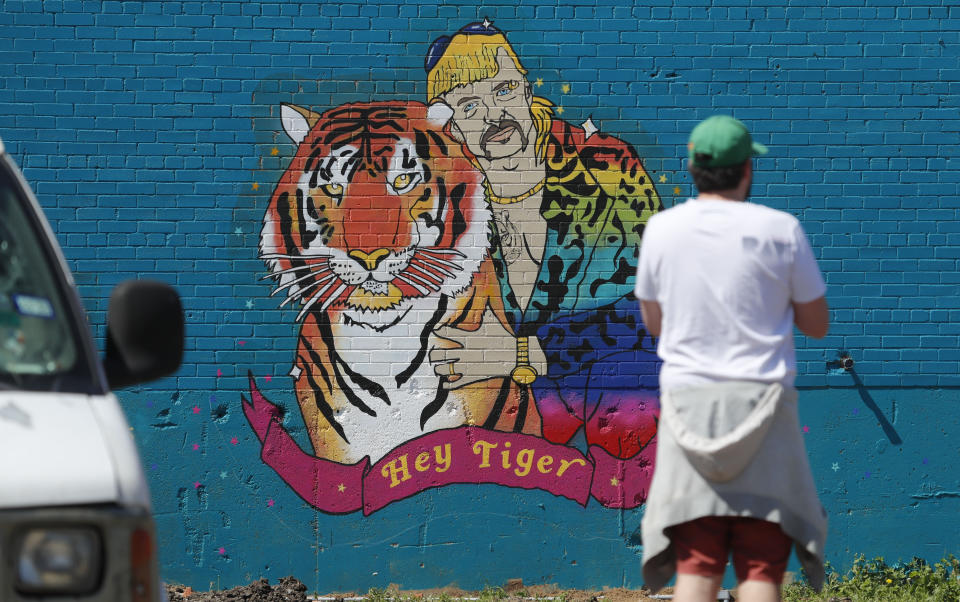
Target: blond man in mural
569	205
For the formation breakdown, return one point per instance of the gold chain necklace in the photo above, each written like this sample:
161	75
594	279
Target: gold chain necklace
509	200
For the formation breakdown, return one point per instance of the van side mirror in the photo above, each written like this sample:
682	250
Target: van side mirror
145	330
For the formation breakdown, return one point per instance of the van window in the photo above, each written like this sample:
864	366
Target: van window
38	344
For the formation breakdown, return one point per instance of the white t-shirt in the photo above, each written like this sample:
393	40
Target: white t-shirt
725	274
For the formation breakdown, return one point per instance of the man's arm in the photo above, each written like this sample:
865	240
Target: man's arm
813	318
651	316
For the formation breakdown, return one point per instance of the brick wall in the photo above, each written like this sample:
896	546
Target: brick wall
152	134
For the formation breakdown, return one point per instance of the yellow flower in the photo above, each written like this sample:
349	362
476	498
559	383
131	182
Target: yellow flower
889	580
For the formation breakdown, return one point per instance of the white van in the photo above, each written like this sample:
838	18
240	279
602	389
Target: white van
75	516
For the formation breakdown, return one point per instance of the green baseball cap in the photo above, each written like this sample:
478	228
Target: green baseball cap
725	140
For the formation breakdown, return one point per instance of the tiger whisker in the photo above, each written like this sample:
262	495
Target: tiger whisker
313	300
314	273
422	279
443	252
433	266
431	275
298	295
420	288
440	261
285	256
336	295
296	269
425	272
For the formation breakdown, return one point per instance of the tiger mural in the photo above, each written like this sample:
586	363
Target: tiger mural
379	231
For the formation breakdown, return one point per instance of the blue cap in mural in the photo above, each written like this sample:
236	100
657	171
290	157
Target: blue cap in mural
439	46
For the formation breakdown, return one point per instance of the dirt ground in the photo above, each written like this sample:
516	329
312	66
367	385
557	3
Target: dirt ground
289	589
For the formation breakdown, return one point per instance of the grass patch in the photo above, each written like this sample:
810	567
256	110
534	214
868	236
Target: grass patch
875	580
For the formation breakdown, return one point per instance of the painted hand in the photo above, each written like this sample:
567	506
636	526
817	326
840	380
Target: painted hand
466	357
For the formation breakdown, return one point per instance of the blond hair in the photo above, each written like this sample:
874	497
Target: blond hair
469	58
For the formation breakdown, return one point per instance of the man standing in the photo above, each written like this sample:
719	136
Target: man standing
722	282
570	205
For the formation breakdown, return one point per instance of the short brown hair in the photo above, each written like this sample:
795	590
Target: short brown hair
713	179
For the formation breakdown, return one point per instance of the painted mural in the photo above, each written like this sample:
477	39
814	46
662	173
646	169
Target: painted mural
462	269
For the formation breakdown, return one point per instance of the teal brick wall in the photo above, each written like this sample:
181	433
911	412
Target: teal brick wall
151	134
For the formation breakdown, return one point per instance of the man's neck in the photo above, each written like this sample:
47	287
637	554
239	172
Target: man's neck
724	195
514	175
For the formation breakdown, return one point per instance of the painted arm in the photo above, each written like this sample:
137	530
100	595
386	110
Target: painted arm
651	316
813	318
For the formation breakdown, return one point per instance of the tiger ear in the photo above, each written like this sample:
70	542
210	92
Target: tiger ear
297	121
439	113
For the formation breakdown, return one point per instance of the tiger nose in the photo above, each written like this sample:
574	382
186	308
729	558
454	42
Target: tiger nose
369	260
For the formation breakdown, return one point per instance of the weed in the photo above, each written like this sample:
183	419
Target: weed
875	580
378	595
492	594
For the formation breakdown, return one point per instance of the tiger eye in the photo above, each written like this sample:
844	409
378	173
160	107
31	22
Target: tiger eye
334	191
401	181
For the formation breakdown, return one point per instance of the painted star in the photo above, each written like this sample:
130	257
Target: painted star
196	409
341	488
233	441
196	446
269	503
223	551
249	303
255	186
559	110
676	190
223	474
219	372
274	151
241	343
295	372
565	88
614	482
835	467
663	178
589	128
268	378
196	485
487	23
538	82
806	429
238	230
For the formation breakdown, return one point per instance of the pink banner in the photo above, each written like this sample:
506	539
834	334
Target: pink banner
466	454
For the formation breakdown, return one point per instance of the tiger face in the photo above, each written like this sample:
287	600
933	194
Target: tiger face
376	210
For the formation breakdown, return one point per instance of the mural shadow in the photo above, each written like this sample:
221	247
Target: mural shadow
885	424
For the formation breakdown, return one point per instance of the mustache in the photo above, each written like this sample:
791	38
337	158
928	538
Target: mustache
499	127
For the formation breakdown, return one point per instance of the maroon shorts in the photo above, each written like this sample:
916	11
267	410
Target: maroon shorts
760	548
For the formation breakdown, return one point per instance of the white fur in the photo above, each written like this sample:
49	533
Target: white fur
381	358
